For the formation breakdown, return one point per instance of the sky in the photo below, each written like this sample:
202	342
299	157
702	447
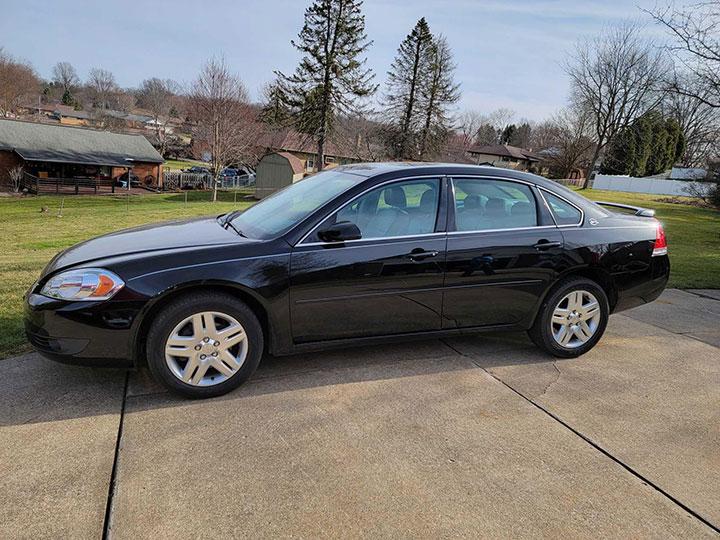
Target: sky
508	53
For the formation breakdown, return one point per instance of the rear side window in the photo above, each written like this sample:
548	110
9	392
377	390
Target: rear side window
563	212
482	204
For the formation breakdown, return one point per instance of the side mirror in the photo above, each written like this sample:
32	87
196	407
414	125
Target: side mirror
340	232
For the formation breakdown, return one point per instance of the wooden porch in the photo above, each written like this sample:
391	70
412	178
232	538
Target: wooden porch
67	186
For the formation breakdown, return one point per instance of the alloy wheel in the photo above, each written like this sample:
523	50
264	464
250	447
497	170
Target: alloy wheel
206	348
575	319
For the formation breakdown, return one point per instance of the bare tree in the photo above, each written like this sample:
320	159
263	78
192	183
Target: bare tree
65	76
226	123
481	129
18	82
157	96
616	77
16	175
102	85
568	142
699	122
695	29
468	124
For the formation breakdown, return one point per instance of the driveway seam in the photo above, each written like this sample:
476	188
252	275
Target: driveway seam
107	524
592	443
684	334
701	295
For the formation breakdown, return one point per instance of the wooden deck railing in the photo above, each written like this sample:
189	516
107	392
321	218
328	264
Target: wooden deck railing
65	186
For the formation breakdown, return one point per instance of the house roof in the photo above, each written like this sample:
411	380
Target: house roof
292	141
295	163
504	150
64	144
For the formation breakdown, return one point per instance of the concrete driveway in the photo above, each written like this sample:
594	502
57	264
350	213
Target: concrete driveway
479	436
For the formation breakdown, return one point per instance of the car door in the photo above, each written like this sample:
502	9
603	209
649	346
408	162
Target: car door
387	282
503	253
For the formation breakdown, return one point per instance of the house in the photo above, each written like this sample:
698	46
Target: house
304	148
504	155
276	171
57	112
52	152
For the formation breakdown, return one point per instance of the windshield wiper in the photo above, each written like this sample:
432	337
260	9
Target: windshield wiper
230	216
234	228
227	222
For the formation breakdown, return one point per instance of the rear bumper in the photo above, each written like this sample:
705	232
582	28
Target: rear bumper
78	333
635	293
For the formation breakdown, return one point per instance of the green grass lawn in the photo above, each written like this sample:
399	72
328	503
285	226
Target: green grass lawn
693	237
31	237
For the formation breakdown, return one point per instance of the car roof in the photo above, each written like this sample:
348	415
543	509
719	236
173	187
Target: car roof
399	168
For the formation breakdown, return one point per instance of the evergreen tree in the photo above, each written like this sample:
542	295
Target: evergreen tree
331	75
275	111
508	133
643	130
407	76
521	137
486	135
650	145
438	95
67	98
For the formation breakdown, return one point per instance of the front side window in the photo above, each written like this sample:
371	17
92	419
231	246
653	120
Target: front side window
400	209
484	204
563	212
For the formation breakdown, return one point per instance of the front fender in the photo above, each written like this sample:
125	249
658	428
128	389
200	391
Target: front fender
260	281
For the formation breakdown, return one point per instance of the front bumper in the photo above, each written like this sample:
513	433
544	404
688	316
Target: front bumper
82	333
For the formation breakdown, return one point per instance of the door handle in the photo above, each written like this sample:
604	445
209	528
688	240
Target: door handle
419	254
542	245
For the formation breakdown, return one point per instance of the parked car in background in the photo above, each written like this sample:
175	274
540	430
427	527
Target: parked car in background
359	254
236	177
198	170
123	179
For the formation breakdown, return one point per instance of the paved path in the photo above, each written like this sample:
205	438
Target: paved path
475	436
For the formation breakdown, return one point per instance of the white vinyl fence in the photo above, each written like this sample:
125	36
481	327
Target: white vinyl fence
654	186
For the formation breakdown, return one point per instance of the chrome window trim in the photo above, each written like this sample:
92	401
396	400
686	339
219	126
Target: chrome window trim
582	212
480	231
504	179
405	239
438	177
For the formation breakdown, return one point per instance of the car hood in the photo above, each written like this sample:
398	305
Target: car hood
199	232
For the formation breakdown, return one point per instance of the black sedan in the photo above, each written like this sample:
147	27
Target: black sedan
356	255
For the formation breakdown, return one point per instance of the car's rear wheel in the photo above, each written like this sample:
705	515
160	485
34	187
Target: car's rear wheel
572	319
204	345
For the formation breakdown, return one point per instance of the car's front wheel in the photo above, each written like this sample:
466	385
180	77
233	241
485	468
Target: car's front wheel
204	344
572	319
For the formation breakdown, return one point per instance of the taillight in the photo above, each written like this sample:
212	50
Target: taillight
660	247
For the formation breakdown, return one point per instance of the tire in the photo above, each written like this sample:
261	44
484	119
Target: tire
200	366
546	331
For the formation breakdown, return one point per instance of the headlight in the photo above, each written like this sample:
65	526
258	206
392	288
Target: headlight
83	284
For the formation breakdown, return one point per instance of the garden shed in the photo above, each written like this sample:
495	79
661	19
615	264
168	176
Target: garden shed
276	171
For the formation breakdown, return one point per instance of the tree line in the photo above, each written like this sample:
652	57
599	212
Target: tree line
635	106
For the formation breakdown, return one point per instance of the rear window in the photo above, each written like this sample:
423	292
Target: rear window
486	204
563	212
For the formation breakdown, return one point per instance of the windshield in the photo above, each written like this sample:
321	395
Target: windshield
288	207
